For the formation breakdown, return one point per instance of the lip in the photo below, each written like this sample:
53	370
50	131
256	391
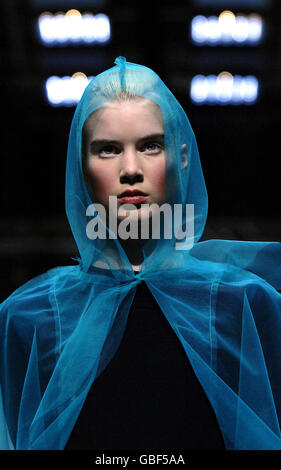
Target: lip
137	199
131	193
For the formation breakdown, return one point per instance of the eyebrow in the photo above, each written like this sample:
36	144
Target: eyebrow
143	139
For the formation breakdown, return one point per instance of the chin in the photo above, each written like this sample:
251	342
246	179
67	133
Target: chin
139	213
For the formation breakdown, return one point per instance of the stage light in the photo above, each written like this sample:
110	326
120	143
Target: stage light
255	28
66	91
227	29
73	27
224	89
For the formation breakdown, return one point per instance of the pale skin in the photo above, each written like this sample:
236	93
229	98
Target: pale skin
124	149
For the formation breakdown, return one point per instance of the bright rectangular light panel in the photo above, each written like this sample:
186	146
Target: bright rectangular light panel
224	89
66	91
227	29
73	27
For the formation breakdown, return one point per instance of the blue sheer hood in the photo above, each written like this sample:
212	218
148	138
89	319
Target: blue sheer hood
59	331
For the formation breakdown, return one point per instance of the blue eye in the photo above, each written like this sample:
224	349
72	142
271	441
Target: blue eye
108	150
153	147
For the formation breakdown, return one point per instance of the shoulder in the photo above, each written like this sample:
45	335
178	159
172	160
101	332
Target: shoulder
34	298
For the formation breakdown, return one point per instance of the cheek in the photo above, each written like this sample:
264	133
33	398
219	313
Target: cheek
102	180
158	176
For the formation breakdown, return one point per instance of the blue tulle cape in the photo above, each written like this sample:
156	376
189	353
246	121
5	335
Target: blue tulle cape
59	331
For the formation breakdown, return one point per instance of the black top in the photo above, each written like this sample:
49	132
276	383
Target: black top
148	396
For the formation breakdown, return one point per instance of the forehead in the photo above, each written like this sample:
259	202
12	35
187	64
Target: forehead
130	117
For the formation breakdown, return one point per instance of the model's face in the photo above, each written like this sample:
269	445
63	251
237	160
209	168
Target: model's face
125	152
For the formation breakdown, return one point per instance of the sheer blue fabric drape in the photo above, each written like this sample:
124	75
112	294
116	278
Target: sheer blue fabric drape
60	330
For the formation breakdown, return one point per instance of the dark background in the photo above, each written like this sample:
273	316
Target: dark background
238	145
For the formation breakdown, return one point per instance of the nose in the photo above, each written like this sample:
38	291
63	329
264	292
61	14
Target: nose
131	169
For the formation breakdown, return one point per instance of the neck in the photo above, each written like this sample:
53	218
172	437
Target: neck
134	247
133	250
